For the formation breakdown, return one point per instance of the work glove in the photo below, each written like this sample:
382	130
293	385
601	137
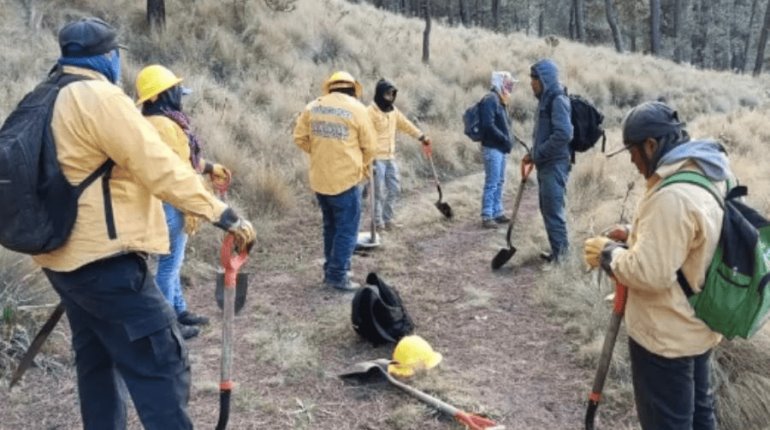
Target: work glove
241	229
192	224
597	252
220	175
427	146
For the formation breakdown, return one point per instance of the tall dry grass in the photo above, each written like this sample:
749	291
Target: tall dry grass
253	69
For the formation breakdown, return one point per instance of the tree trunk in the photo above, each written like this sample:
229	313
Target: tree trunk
609	9
678	24
762	42
463	13
156	15
700	37
495	15
426	33
747	37
578	7
571	25
655	27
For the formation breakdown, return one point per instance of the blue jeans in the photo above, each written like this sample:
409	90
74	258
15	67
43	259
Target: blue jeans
341	214
169	265
387	188
552	190
125	338
494	182
672	393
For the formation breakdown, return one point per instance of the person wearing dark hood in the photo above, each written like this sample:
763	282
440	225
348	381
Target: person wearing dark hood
124	333
675	231
387	119
496	144
550	154
160	93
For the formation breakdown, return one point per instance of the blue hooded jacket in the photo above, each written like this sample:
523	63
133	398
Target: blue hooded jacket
494	123
553	127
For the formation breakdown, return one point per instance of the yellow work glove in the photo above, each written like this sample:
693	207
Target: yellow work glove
220	175
592	250
192	224
240	228
244	235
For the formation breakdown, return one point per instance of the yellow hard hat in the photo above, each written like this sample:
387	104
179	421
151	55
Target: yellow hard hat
342	79
413	354
153	80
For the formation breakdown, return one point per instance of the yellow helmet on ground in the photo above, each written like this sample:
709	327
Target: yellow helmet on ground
411	355
153	80
342	79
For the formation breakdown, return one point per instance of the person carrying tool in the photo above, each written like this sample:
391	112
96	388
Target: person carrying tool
550	154
496	144
159	94
676	230
337	134
387	119
124	332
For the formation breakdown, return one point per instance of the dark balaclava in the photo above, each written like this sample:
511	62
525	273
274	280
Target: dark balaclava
382	87
171	99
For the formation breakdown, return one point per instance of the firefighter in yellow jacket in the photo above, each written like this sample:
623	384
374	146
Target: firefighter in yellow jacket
124	333
336	133
387	119
159	93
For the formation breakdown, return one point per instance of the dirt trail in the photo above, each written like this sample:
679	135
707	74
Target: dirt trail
502	354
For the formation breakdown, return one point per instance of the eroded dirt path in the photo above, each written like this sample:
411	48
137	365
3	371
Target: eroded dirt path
502	354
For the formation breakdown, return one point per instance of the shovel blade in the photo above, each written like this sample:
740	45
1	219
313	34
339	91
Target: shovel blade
445	209
502	257
241	286
366	369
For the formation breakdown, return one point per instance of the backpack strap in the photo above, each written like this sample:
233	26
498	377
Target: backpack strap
695	178
61	80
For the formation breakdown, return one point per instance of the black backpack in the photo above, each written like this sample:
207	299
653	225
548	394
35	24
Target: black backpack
38	206
378	314
586	125
472	122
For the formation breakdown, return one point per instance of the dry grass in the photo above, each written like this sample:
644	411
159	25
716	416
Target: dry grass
253	69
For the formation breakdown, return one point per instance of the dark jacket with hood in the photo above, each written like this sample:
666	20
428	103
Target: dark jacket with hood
494	123
553	127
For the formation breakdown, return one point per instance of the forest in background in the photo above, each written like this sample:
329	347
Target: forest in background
714	34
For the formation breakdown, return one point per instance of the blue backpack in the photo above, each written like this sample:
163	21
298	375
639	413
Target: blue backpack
472	122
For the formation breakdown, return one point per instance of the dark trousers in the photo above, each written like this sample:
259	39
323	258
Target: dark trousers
125	338
341	214
672	393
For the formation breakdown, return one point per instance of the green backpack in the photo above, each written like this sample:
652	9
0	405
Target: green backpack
734	300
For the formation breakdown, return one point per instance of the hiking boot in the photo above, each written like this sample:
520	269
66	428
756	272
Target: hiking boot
489	223
188	318
345	286
546	256
188	331
502	219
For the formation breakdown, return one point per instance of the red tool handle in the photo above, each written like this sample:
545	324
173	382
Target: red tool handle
475	422
526	169
231	262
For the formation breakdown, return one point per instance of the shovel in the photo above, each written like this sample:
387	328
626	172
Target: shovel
618	308
505	254
443	207
231	264
242	279
370	239
380	368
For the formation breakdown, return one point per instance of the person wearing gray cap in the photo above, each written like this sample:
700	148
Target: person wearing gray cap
124	333
674	233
